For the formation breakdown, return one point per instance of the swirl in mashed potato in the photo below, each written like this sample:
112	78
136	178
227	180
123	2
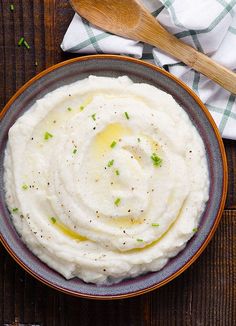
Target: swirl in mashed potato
105	179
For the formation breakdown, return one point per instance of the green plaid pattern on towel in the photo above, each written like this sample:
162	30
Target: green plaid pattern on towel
207	25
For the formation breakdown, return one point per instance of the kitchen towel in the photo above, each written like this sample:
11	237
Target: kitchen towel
207	25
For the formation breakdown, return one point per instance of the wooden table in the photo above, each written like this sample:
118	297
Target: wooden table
203	295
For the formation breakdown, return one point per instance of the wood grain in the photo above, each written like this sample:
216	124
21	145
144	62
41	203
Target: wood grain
203	296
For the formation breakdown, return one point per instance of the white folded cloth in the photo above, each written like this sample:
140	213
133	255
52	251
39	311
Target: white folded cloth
207	25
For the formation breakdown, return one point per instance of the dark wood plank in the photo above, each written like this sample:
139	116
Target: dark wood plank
49	27
230	147
57	16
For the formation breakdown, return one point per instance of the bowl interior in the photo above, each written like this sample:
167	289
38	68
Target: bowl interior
114	66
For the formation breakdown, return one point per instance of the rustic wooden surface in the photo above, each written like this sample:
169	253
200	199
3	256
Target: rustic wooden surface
203	295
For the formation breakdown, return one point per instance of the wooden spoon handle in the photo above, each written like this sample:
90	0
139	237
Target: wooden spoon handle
210	68
152	32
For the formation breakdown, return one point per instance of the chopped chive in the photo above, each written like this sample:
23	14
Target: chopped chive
94	116
140	240
139	140
47	135
74	151
117	201
26	45
81	107
110	163
21	40
155	224
113	144
53	220
15	210
117	172
156	159
12	7
24	187
195	229
69	109
126	115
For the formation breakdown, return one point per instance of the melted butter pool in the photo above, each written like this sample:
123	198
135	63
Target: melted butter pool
68	232
111	133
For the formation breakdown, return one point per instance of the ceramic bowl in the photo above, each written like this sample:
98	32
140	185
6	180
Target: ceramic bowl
113	66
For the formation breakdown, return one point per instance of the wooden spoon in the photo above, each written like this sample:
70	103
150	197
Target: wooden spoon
131	19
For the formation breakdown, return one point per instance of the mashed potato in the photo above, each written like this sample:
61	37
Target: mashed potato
105	179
